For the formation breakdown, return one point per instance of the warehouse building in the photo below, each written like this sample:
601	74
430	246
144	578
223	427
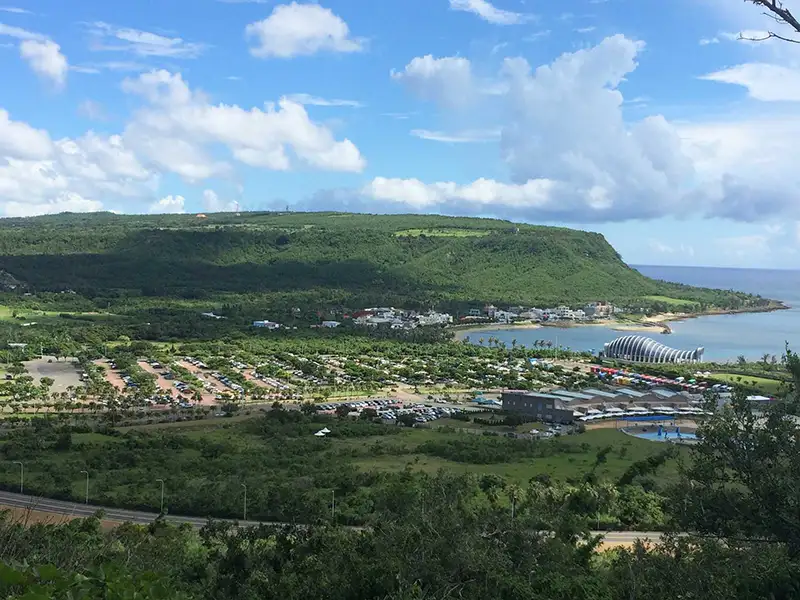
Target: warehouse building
549	408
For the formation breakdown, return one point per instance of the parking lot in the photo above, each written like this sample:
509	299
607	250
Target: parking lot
64	372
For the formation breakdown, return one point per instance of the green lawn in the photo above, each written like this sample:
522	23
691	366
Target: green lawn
767	386
562	466
27	314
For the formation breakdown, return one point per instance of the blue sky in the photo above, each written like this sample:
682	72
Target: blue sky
649	122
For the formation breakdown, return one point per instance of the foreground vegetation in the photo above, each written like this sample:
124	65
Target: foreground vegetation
461	536
291	475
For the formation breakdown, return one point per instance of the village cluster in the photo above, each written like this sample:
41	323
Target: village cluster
398	318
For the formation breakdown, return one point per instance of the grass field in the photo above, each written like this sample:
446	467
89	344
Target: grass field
443	233
770	387
204	464
561	467
25	314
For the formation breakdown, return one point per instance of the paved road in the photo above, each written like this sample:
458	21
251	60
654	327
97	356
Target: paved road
73	509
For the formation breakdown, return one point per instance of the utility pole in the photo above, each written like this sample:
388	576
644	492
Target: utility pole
162	495
87	485
513	504
245	502
21	475
333	505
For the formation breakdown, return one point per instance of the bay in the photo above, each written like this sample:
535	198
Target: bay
724	337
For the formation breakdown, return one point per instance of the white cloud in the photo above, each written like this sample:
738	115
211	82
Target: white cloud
585	29
744	246
110	38
563	124
489	13
20	140
472	198
301	30
459	137
213	203
21	34
46	60
92	110
708	41
308	99
169	205
537	35
177	126
683	250
445	80
763	81
62	202
15	10
39	176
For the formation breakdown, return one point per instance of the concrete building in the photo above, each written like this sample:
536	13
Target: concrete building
545	407
266	324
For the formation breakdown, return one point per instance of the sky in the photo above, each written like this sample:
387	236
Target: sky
651	122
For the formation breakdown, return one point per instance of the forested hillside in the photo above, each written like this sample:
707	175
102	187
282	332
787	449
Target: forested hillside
345	258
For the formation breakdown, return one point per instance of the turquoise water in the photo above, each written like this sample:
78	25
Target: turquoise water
724	337
653	436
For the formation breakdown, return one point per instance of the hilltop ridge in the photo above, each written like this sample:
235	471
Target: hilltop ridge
343	258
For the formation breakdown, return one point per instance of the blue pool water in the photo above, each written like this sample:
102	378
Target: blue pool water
650	418
653	436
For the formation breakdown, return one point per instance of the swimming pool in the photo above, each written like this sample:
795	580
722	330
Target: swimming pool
665	437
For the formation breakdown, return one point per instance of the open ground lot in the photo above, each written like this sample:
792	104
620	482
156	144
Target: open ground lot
64	372
112	376
767	386
165	385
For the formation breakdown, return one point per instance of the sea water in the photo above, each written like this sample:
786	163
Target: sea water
724	337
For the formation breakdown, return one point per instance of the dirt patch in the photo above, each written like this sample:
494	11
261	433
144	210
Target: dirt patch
64	372
28	516
164	384
209	395
113	377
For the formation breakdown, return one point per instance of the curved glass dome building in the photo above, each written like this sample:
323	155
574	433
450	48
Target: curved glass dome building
638	348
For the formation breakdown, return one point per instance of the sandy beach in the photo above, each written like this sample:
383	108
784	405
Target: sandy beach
467	330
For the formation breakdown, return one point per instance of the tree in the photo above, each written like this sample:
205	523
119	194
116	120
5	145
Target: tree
342	411
779	14
308	408
742	481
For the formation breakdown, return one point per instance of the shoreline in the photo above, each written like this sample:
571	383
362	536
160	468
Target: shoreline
658	321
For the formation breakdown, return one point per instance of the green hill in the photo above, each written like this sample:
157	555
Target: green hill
404	260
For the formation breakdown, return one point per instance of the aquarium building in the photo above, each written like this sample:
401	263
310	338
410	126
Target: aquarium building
637	348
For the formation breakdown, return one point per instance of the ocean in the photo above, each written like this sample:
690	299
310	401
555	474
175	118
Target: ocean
724	337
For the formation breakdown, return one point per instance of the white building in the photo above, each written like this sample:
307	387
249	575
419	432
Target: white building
330	324
266	324
564	312
505	316
434	318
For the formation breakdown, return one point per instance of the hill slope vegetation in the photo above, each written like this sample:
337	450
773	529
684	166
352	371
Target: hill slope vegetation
406	260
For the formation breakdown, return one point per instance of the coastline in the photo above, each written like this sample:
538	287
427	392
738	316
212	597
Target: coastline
647	324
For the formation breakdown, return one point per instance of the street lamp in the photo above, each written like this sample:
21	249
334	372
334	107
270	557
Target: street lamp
21	474
162	495
245	502
87	485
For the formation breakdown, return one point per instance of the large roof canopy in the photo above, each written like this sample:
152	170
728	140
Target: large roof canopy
643	349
